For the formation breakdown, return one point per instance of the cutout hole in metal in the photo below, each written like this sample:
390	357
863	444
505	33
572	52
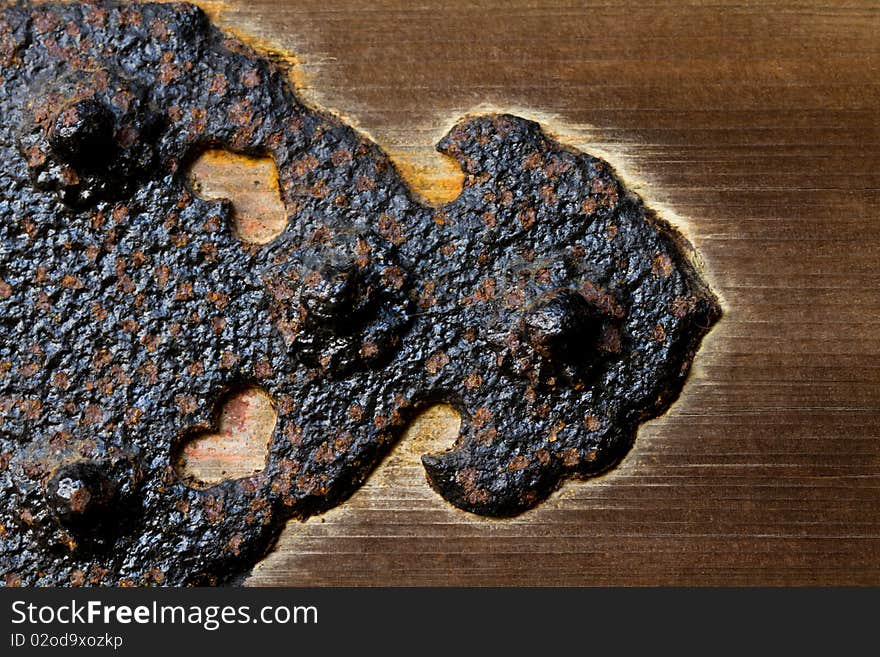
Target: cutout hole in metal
250	183
237	447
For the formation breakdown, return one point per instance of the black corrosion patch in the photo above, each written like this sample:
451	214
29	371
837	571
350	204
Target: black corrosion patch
546	303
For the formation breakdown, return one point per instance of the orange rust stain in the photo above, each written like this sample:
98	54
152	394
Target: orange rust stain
251	184
239	446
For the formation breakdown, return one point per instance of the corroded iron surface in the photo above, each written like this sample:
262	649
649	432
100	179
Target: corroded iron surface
546	303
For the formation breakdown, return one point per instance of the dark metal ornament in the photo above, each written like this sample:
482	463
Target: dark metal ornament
546	303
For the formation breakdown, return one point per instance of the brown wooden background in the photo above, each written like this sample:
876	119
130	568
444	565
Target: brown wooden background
754	127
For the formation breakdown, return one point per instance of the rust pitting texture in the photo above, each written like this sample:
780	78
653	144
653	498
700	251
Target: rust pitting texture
547	304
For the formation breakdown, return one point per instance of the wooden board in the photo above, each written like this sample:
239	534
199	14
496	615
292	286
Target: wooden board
751	125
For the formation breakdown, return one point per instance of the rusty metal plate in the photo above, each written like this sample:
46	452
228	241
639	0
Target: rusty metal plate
546	303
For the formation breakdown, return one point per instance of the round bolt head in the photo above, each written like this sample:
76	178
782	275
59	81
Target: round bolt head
560	324
81	493
82	135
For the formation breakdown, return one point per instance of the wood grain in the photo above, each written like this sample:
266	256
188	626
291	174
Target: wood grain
250	184
236	446
751	125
